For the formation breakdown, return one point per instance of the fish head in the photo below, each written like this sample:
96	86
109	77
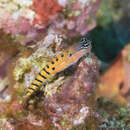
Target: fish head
84	43
80	49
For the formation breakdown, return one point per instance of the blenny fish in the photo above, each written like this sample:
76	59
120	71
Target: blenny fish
59	63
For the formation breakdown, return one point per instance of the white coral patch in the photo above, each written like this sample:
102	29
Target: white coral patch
84	111
15	9
83	1
25	12
63	2
23	2
16	14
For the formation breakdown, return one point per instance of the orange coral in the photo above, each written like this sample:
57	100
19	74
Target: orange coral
44	10
115	82
111	80
126	65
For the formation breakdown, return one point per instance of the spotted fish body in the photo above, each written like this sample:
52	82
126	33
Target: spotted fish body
59	63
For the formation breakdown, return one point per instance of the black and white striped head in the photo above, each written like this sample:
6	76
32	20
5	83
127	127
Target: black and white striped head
85	43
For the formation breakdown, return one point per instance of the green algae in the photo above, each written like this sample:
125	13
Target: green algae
114	116
109	13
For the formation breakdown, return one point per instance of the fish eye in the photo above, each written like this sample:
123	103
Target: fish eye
70	54
53	68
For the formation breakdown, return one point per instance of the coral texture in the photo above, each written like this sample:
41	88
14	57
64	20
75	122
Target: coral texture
29	21
44	10
35	32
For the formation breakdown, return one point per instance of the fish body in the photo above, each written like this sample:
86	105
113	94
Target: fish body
59	63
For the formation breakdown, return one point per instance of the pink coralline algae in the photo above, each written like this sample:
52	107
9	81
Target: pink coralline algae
20	26
75	18
14	26
66	17
15	16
